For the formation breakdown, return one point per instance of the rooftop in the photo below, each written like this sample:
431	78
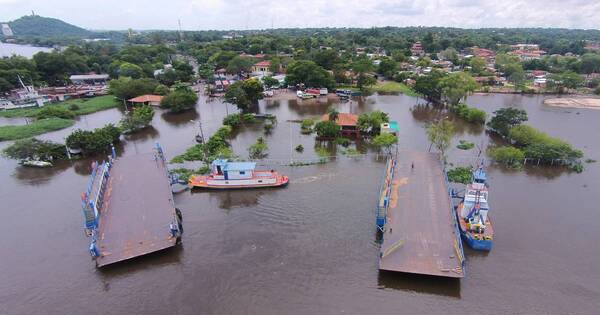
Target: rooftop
343	119
146	98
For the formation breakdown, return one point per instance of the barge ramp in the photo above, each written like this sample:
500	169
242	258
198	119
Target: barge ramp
419	229
129	209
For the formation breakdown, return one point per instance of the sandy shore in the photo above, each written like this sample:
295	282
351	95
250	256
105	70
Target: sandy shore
574	102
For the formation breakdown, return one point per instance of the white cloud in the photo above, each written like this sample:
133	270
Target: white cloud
252	14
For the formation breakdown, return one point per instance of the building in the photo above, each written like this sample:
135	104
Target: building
348	123
417	49
92	79
592	47
525	47
262	67
482	53
148	99
526	55
6	30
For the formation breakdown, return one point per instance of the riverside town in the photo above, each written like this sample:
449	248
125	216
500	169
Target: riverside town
217	157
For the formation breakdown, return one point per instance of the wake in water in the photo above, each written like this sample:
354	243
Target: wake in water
311	179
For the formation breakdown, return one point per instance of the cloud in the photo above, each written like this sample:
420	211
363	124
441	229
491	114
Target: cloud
256	14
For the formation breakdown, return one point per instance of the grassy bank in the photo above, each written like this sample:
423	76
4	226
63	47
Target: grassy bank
35	128
84	106
393	87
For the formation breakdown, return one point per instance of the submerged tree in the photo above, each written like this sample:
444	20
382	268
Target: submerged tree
506	118
258	150
440	136
245	93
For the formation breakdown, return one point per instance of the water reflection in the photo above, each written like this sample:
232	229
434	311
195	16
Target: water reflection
150	261
427	112
39	176
419	283
144	134
180	119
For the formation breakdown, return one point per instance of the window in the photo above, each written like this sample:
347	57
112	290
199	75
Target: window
242	172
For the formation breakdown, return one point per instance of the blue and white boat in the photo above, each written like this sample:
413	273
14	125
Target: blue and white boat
472	213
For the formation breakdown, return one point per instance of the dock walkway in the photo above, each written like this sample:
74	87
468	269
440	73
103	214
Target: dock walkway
136	214
420	234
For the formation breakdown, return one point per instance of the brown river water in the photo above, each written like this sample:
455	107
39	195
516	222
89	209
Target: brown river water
309	248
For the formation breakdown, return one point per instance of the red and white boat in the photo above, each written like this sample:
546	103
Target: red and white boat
237	175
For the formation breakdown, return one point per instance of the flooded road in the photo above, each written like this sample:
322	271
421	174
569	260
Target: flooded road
311	247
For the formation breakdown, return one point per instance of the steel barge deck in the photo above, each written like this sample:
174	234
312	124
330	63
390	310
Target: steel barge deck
129	208
420	233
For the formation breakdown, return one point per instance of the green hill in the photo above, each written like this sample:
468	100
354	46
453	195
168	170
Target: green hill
35	25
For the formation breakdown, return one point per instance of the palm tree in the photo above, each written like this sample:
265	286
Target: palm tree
333	113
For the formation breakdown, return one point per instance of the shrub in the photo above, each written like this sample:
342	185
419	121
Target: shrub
472	115
139	118
248	118
268	128
74	107
35	149
54	112
342	141
96	141
465	145
371	122
179	100
258	150
306	126
539	145
385	140
232	120
511	156
300	148
461	175
506	118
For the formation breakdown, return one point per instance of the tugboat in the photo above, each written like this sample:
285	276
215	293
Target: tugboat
474	222
237	175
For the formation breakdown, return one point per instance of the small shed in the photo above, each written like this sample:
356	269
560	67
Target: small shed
348	123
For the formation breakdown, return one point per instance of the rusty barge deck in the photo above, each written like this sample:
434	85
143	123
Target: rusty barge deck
130	210
420	234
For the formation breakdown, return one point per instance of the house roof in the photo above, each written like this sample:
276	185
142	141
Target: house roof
146	98
88	77
264	63
343	119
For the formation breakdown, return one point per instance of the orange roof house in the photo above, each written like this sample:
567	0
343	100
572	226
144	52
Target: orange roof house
148	99
261	66
348	122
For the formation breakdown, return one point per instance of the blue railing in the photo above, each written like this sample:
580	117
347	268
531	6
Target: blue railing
458	241
385	190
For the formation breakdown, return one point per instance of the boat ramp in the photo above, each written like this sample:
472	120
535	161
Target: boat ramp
128	208
417	220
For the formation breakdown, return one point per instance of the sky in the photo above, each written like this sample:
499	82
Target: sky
259	14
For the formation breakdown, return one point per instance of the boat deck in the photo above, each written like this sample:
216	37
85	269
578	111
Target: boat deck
420	234
137	211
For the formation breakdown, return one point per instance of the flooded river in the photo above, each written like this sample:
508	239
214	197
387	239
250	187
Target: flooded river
309	248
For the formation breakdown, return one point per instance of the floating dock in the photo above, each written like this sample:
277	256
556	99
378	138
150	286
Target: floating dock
417	220
128	208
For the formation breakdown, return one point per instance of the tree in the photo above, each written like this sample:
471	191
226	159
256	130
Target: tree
35	149
517	78
590	63
270	82
179	100
478	65
449	54
365	80
308	73
326	58
370	122
385	140
440	136
96	141
327	129
388	67
457	86
333	113
511	156
130	70
239	64
506	118
161	89
126	88
244	93
139	118
429	85
564	81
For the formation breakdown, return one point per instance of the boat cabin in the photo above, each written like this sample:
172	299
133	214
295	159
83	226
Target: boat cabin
222	169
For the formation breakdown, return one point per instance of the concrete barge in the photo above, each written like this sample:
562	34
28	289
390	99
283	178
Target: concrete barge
419	230
129	209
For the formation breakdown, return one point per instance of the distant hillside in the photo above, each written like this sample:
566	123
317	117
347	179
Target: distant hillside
45	27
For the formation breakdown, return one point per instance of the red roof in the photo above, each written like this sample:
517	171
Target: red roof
146	98
264	63
343	119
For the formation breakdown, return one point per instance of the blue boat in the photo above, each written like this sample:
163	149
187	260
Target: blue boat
472	214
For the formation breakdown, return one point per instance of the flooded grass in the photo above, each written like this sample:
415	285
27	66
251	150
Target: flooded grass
35	128
80	106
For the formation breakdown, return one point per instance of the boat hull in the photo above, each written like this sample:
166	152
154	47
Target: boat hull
482	245
203	182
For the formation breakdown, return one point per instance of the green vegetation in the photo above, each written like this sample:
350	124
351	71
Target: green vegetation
470	114
54	112
457	86
327	129
35	149
179	100
322	152
79	106
259	149
306	126
299	148
309	74
35	128
186	173
460	175
216	147
370	122
97	141
385	140
351	152
465	145
508	155
245	93
345	142
270	82
506	118
232	120
440	136
540	146
429	86
125	88
35	25
393	87
140	117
